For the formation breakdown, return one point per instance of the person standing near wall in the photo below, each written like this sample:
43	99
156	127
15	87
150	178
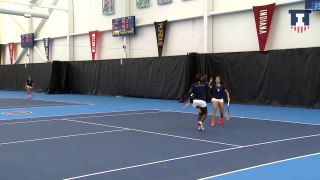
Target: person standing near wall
29	87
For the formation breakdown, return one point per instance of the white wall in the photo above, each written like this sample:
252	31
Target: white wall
143	44
231	32
235	32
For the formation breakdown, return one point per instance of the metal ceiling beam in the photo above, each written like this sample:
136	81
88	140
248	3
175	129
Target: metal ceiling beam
38	4
25	12
17	22
37	30
20	55
43	21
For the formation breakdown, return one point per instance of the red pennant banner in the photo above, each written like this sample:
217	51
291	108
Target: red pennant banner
263	18
11	46
93	42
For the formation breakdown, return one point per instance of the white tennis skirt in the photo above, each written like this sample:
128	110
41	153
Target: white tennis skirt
199	103
218	100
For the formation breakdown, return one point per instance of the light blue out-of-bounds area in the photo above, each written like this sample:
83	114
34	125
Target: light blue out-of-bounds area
301	168
305	168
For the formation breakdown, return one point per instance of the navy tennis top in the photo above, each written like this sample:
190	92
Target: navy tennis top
200	90
29	82
217	92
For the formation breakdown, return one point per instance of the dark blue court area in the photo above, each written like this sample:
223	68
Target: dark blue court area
156	143
8	103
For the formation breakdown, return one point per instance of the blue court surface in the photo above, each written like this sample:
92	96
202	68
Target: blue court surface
101	137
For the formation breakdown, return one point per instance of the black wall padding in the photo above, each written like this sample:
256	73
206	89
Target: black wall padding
150	78
59	79
13	77
282	77
193	68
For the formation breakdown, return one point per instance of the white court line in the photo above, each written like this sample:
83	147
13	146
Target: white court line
261	165
27	122
39	106
146	164
79	114
150	132
185	157
243	117
84	117
59	137
54	101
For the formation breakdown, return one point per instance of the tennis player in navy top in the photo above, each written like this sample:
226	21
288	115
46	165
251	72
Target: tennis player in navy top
218	91
29	87
200	91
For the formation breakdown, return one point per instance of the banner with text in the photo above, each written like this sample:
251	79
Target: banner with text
161	34
93	43
11	46
46	43
263	18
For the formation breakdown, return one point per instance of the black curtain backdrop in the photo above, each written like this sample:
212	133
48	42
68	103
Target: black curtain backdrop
149	78
59	78
281	77
13	77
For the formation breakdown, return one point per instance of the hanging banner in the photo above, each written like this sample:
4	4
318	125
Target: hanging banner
46	43
93	43
11	46
142	3
263	18
107	7
160	2
160	33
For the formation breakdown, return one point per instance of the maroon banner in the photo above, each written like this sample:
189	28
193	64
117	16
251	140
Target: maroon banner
263	18
93	43
11	46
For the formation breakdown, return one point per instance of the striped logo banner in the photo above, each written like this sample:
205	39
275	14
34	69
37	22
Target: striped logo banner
300	20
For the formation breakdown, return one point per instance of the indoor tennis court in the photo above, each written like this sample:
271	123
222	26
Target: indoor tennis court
159	89
154	143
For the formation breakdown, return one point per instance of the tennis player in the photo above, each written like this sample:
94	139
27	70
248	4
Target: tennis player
29	87
218	91
200	91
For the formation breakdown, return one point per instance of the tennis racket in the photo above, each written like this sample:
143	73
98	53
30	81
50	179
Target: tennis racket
228	110
186	102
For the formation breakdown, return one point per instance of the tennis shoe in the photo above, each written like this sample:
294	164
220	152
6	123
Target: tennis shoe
200	126
220	121
212	123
